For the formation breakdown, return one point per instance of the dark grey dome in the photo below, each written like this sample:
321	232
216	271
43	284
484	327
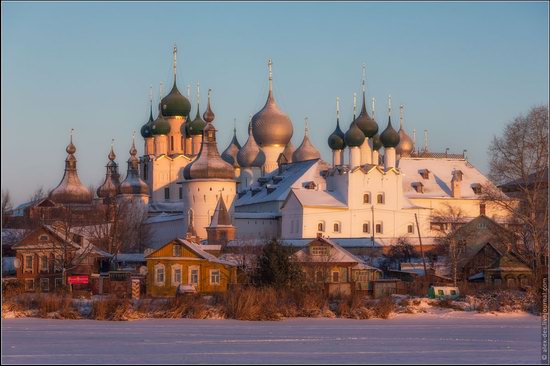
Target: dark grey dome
336	139
390	137
354	137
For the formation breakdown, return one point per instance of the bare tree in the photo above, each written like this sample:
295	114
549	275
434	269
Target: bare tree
38	194
402	250
519	165
6	205
447	222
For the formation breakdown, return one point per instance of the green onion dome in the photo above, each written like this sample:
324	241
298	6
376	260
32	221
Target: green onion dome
175	104
184	127
376	143
367	124
336	138
146	129
197	125
354	137
390	137
160	126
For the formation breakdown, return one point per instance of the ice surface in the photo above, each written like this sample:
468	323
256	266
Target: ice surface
452	337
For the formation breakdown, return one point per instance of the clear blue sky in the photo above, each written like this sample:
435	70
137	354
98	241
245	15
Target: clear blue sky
462	70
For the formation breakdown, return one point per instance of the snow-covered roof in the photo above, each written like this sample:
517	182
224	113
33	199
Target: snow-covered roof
256	215
202	253
318	198
130	257
169	207
438	184
293	175
164	217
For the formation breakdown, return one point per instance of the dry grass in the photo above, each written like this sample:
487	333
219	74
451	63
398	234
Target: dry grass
252	304
384	307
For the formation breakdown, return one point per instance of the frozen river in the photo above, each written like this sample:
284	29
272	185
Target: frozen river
446	338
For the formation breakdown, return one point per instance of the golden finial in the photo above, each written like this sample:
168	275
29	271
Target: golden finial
364	76
198	93
306	129
270	68
188	91
414	138
401	115
175	57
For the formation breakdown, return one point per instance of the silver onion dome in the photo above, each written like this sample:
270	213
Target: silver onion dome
406	145
289	151
250	155
230	153
306	150
108	190
70	190
270	125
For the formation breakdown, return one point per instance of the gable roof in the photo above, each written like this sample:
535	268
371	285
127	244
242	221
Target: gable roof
316	198
195	248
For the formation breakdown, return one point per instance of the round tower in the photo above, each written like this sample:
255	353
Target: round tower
197	126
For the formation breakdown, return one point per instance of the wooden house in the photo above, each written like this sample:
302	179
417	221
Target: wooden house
325	262
181	261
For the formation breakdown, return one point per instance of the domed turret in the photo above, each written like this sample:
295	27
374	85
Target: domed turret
376	143
354	137
306	151
70	190
209	164
336	138
147	128
133	184
175	104
366	124
160	126
108	190
230	154
390	137
270	125
208	115
198	124
288	152
250	155
406	144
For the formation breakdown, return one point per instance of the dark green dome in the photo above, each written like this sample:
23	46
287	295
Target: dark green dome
336	139
390	137
197	125
160	126
376	143
354	137
146	129
184	127
367	124
175	104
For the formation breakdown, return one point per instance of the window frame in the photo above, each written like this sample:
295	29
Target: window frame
160	268
29	259
380	199
43	259
213	272
367	195
44	280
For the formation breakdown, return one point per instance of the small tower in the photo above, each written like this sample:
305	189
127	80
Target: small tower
367	125
390	140
306	151
221	230
147	129
354	138
197	126
108	190
160	130
70	190
230	153
336	140
251	159
375	143
456	183
133	189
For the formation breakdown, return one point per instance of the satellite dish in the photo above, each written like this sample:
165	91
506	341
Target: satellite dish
17	263
143	270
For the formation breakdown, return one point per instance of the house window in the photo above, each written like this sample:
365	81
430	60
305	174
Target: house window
176	275
410	229
43	263
380	198
321	226
366	198
366	227
28	263
336	276
215	277
379	228
167	193
43	237
45	284
476	187
319	276
159	275
58	283
336	227
194	276
29	285
176	250
180	190
319	250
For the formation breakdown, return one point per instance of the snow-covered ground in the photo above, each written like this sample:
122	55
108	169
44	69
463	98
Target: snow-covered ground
447	337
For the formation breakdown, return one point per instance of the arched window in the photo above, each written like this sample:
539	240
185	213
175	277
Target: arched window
321	226
336	227
366	198
379	228
410	228
380	198
366	227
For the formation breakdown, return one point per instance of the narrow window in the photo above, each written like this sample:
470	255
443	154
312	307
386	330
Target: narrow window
28	263
410	229
29	285
176	250
180	189
320	227
335	276
167	193
171	142
366	227
379	228
159	278
144	171
380	198
215	277
482	208
176	280
194	278
45	284
336	227
44	263
366	198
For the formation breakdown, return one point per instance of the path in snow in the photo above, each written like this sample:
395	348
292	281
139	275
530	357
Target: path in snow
451	338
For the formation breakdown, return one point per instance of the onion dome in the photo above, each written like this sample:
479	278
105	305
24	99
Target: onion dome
230	154
250	155
289	151
270	125
108	190
198	124
160	126
336	138
70	190
133	184
306	151
208	115
390	137
376	143
354	137
367	124
406	145
147	128
209	164
175	104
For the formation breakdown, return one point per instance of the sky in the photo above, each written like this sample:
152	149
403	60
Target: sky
461	70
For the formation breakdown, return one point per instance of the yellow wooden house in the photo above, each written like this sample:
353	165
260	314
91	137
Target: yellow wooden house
181	261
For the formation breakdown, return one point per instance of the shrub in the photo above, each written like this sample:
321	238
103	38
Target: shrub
252	304
384	307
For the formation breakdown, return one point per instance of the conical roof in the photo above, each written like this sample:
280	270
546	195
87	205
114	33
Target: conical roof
221	215
70	190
